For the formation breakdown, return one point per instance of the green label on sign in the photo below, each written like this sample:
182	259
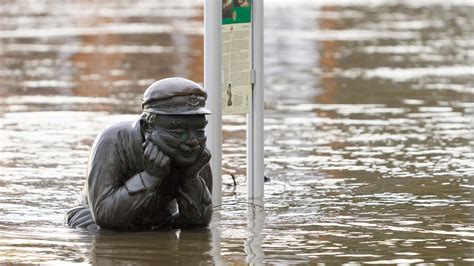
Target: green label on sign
236	11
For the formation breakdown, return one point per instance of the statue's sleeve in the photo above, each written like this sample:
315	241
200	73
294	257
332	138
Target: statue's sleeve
115	204
194	202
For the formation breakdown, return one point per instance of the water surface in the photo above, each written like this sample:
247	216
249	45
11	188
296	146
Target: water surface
368	130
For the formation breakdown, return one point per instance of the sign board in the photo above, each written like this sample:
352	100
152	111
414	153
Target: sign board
236	56
233	51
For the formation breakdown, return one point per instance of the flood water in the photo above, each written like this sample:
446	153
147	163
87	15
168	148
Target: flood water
369	139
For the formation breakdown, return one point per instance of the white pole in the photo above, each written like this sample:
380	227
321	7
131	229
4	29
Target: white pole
255	169
213	85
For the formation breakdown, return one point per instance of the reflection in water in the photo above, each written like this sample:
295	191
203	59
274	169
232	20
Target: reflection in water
368	130
184	247
330	52
216	239
253	244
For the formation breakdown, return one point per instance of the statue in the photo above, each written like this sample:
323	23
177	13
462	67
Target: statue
153	172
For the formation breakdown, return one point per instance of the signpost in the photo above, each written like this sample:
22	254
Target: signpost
255	169
213	83
233	77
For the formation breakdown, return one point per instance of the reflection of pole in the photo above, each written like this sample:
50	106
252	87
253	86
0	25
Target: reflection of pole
253	244
213	85
216	240
255	172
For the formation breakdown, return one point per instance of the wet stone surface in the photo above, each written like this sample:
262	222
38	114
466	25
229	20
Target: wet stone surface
368	130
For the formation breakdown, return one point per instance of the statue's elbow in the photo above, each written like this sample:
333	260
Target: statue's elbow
207	217
201	219
110	223
101	222
109	220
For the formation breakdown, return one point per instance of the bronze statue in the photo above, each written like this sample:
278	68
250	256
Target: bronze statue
153	172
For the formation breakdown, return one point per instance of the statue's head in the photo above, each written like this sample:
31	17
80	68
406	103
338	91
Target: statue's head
174	118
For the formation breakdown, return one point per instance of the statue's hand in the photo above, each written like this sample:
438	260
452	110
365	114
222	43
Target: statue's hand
202	160
156	162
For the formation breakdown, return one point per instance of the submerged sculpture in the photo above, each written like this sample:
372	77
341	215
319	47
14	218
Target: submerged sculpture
152	172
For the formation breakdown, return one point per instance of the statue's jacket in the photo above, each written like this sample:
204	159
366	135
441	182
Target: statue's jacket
119	194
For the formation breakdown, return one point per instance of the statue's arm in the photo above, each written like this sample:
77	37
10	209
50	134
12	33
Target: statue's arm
114	203
115	207
194	202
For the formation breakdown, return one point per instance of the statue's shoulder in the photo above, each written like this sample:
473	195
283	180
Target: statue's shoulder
121	126
115	132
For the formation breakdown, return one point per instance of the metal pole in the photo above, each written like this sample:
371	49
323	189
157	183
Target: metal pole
213	85
255	169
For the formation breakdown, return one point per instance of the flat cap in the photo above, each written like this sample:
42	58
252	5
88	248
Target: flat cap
175	96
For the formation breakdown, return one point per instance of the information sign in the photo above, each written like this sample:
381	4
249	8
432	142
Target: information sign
236	56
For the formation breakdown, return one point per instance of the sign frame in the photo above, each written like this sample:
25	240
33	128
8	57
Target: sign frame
213	82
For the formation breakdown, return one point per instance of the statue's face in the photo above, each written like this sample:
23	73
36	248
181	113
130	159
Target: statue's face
181	137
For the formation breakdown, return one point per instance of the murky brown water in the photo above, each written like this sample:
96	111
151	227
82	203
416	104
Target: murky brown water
368	130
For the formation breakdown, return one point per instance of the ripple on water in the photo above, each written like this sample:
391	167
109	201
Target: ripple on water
368	131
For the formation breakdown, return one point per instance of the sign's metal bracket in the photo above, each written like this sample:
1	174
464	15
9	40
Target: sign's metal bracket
253	76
